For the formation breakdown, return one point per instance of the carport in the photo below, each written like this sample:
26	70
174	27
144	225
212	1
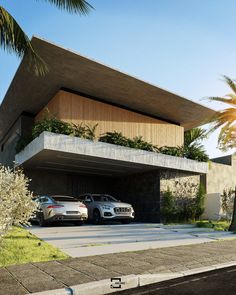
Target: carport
60	164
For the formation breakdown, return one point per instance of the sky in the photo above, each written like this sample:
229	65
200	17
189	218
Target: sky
184	46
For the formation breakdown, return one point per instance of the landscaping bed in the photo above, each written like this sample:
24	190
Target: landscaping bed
20	246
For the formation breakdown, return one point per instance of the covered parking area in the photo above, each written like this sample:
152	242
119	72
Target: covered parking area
60	164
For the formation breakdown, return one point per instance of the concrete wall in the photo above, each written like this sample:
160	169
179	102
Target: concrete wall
143	192
221	175
181	184
55	182
212	206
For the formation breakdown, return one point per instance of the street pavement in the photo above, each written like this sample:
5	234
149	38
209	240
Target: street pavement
88	240
41	276
218	282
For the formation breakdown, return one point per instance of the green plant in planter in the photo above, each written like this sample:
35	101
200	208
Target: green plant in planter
52	125
172	151
138	143
90	131
22	142
114	138
79	130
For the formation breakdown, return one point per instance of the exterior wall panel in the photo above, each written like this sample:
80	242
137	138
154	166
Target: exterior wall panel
75	108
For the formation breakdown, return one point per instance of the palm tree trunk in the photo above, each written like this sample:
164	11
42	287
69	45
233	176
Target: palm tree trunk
233	222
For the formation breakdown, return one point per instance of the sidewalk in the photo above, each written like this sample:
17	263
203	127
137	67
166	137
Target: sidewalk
36	277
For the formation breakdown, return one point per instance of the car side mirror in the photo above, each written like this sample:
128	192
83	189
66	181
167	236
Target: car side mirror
88	201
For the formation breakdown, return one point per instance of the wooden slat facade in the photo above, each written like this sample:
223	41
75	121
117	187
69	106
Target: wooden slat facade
75	108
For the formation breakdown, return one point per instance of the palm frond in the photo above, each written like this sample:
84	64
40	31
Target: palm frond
229	99
72	6
13	39
231	83
194	136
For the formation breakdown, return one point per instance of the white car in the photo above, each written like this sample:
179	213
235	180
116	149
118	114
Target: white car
105	207
60	208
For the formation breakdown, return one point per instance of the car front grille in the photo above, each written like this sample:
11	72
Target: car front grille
119	210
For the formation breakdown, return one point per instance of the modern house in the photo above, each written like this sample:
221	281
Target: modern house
78	89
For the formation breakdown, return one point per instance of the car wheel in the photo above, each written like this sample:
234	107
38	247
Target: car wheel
79	222
96	217
125	221
41	220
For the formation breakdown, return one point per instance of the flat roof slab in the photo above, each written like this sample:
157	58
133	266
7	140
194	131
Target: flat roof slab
70	70
65	153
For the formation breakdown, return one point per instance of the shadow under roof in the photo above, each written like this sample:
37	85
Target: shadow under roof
70	70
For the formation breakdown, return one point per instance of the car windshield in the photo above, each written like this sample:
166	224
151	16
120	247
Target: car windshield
104	198
64	199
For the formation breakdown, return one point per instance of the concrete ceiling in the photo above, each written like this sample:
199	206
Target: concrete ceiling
86	165
28	93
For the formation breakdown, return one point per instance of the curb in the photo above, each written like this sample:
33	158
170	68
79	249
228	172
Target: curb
130	281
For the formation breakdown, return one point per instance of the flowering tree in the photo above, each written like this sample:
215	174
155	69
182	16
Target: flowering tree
16	204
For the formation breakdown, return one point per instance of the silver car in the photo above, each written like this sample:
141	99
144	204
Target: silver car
105	207
60	208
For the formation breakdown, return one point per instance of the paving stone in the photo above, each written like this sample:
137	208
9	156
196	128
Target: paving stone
12	290
42	285
71	277
95	271
22	271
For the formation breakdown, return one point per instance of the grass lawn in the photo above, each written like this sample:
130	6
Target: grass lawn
216	225
20	246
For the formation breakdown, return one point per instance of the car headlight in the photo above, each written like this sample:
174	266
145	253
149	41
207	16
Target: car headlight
106	207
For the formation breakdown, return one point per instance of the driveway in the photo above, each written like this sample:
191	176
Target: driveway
87	240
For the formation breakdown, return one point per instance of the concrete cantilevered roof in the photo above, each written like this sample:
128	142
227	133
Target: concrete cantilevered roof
28	93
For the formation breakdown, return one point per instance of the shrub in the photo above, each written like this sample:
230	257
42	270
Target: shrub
227	202
171	151
22	142
185	210
168	209
199	201
114	138
16	204
181	207
52	125
138	143
90	131
84	131
57	126
189	152
119	139
195	153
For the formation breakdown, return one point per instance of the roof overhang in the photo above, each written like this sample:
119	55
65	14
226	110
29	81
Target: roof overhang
28	93
64	153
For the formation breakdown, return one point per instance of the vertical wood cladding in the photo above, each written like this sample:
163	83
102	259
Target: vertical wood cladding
75	108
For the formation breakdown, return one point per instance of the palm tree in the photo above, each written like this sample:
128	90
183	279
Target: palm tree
13	38
192	148
193	137
226	120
